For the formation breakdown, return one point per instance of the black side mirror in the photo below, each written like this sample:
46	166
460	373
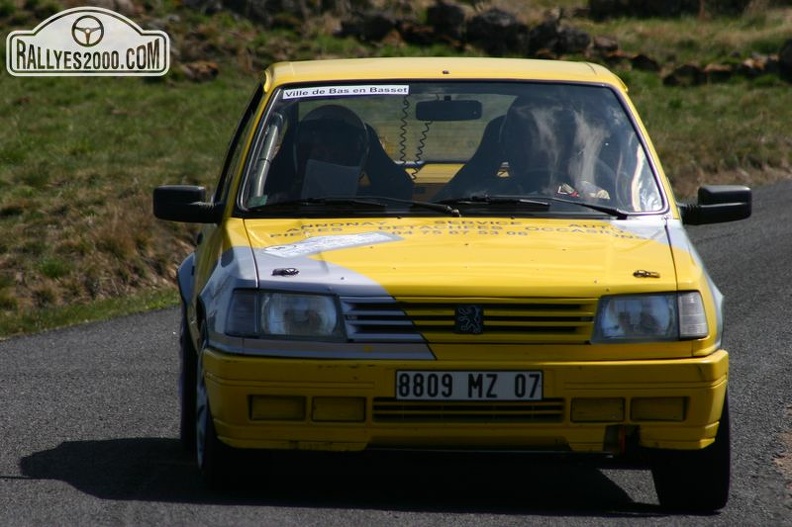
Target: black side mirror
717	204
185	203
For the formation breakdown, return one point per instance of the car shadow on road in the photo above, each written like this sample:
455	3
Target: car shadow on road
158	469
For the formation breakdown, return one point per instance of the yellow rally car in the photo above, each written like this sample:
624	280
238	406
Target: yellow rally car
453	254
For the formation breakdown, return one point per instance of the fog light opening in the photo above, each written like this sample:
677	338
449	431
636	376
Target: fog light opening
658	409
277	408
597	410
338	409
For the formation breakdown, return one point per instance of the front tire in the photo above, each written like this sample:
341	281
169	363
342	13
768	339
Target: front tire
187	389
695	480
216	460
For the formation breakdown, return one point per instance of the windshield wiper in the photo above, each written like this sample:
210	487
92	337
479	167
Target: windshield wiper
487	199
539	203
439	207
378	202
619	214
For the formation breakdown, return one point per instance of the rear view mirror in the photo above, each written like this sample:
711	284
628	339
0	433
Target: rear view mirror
448	110
718	204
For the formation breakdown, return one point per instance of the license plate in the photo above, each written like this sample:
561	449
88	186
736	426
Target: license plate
469	385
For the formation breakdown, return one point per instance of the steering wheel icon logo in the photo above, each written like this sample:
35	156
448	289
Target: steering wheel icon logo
87	31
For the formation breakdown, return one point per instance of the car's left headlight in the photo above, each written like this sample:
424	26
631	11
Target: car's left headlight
284	315
650	317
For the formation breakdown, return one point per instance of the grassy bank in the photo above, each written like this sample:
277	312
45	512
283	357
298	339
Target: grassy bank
78	161
79	157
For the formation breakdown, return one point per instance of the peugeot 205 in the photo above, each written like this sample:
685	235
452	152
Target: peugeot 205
468	254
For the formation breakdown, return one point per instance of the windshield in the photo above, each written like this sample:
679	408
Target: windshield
479	147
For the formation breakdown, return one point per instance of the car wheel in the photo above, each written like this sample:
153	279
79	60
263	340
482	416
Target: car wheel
695	480
215	458
187	390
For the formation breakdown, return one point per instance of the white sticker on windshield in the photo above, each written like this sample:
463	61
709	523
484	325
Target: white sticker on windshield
327	243
347	91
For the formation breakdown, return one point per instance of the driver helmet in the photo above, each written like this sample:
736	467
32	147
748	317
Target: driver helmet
534	137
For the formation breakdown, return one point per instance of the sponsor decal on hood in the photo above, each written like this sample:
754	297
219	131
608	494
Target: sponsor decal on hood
488	256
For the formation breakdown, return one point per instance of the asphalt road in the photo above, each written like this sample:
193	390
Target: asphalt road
88	431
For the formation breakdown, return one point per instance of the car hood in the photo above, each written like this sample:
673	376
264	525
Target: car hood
477	257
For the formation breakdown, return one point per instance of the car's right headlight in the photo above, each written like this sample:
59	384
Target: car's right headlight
650	317
268	314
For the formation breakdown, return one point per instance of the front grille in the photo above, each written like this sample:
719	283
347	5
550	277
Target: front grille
548	321
378	319
388	410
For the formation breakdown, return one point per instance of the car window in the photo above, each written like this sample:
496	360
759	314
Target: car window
449	142
237	146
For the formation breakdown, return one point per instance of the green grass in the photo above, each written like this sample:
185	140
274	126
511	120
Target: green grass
79	157
78	161
61	316
716	129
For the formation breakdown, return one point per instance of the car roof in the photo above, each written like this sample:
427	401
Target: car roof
438	68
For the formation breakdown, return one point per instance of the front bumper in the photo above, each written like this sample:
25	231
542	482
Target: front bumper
346	405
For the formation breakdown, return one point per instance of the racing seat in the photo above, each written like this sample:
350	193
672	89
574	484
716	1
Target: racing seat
385	177
481	170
